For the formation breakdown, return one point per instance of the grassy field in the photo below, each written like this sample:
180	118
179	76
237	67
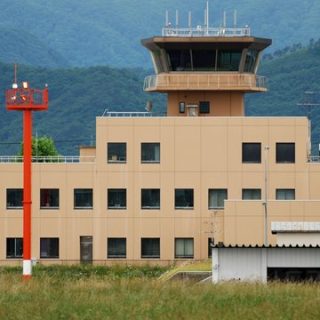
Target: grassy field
136	293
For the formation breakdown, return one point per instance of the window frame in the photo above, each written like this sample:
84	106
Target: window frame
49	254
115	155
116	255
145	207
245	157
285	190
285	161
212	190
16	249
14	207
251	189
142	153
78	207
115	207
49	207
184	255
175	199
204	107
151	256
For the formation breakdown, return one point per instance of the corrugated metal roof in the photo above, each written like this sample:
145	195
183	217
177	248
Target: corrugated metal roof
222	245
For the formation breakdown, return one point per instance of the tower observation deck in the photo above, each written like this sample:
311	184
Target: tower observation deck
206	70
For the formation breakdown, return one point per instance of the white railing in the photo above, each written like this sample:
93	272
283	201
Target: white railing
314	159
199	81
202	31
49	159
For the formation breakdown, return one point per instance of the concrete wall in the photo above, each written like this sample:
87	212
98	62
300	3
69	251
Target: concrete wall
196	152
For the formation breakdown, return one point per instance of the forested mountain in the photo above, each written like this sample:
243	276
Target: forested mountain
108	32
78	95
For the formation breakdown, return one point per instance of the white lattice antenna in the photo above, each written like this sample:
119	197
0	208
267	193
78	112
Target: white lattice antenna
235	18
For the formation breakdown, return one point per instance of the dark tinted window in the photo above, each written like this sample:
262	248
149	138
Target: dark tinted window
150	152
285	152
183	198
180	60
285	194
117	198
251	152
204	107
150	198
203	60
14	198
83	198
49	247
49	198
117	152
228	60
117	247
251	194
150	248
14	247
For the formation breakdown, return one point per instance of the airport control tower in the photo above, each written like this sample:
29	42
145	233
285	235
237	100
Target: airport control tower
205	71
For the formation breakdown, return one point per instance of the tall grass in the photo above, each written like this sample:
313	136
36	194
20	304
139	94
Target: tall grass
96	296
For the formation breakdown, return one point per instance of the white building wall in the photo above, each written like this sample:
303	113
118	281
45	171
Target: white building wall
251	264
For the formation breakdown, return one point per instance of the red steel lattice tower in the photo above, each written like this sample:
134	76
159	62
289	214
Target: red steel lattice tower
27	100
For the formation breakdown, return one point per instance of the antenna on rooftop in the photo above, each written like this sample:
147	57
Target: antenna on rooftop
177	18
235	18
206	18
15	81
224	19
190	19
167	18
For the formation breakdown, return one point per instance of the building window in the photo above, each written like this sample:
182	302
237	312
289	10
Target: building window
182	107
117	152
150	198
150	152
285	194
117	248
150	248
49	248
217	197
83	198
183	199
49	198
14	198
285	153
184	248
117	198
210	243
251	152
251	194
14	248
204	106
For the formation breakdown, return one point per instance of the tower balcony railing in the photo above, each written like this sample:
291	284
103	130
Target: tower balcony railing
205	81
49	159
203	31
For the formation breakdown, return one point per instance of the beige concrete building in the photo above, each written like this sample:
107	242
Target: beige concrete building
162	188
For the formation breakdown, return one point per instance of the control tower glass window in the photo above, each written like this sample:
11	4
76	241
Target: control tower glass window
180	60
228	60
203	60
251	59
